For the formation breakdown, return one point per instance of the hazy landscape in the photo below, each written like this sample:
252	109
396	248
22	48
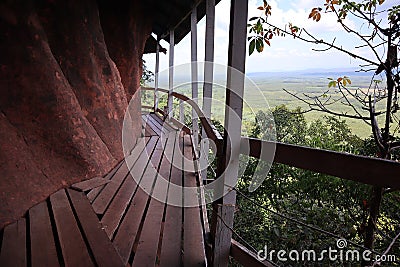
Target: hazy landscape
264	90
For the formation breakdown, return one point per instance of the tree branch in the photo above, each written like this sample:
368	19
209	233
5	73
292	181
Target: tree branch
321	41
378	263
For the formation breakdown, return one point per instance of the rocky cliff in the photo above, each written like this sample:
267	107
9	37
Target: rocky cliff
68	70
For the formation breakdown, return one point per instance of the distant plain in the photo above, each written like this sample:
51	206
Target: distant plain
265	90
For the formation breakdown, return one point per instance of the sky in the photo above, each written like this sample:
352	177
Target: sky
285	53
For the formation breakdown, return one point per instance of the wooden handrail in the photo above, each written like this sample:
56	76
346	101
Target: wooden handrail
152	89
147	107
373	171
161	112
210	129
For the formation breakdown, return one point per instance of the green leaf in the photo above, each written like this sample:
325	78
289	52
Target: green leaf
253	18
252	46
332	84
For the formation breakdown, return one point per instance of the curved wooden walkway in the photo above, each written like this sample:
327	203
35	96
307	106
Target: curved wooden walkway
111	221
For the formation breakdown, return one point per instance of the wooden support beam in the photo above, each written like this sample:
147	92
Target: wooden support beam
208	81
224	209
156	73
195	78
209	58
171	72
181	111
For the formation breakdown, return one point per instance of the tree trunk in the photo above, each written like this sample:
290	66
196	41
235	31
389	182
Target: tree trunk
375	204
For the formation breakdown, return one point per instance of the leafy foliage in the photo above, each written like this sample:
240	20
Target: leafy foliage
147	75
333	204
383	40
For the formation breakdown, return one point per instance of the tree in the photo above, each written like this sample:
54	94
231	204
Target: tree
147	75
334	205
378	105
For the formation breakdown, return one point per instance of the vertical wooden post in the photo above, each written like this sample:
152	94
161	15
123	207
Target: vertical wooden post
208	80
195	78
181	112
224	209
171	71
157	69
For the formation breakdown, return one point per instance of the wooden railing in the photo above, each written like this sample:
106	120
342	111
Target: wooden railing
209	128
372	171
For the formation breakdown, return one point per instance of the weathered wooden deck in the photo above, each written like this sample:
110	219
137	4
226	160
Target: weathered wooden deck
111	221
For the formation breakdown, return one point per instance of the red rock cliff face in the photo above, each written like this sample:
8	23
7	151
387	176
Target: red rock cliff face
66	79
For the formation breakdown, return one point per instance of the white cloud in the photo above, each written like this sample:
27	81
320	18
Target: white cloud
284	53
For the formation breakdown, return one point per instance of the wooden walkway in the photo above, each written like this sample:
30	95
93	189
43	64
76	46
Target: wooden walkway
111	221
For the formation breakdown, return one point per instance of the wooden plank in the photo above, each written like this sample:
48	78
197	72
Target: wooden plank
101	247
245	257
126	234
160	122
193	243
114	213
73	247
153	126
90	184
149	131
92	194
146	252
373	171
13	248
110	175
43	248
102	201
171	246
203	207
163	127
